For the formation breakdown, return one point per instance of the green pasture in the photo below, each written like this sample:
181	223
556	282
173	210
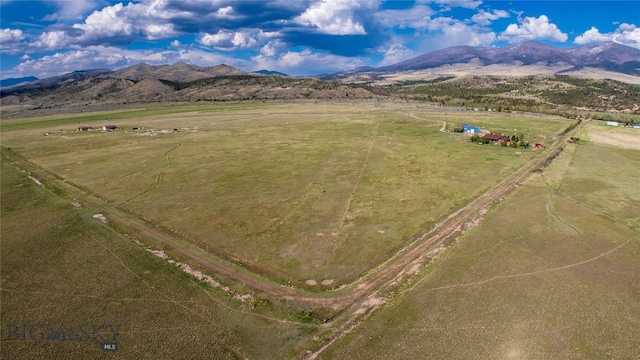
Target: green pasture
60	267
99	118
553	272
306	191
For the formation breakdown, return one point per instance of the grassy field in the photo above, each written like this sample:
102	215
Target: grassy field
320	192
306	192
553	272
61	269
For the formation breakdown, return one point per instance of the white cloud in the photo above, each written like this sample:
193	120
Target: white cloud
52	40
272	48
592	36
10	36
228	40
625	34
176	43
459	33
73	10
226	11
118	20
395	53
305	62
417	17
110	57
233	40
532	28
336	17
116	23
108	22
628	34
468	4
485	17
11	41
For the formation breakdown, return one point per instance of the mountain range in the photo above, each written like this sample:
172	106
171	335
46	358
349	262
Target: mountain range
610	57
143	83
528	57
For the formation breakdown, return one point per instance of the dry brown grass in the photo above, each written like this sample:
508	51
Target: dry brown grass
618	136
550	273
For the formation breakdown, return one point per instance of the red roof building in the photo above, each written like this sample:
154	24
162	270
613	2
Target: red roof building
496	137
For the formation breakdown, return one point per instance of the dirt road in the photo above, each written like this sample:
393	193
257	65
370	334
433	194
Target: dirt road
349	302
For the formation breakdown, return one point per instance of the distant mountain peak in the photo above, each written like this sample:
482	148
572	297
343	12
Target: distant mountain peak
17	81
269	72
609	56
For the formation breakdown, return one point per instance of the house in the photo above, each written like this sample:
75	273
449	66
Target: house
468	129
612	123
84	128
109	128
496	137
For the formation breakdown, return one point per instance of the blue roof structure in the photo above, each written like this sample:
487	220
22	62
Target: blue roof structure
466	128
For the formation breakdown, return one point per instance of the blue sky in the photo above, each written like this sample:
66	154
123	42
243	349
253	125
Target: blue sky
297	37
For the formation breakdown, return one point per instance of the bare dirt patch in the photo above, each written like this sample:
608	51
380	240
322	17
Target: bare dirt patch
620	137
370	303
311	282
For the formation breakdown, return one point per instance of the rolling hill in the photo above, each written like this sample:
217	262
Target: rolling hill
143	83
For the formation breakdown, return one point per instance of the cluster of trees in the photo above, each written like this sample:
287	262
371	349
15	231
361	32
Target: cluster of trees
515	141
571	127
542	94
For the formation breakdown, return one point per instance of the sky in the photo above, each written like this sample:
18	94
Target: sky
297	37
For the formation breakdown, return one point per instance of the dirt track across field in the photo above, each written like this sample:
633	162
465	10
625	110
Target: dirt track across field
350	303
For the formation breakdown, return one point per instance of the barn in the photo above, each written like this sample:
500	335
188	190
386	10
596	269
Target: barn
84	128
109	128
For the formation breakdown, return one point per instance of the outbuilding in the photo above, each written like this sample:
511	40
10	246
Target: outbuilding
109	128
496	137
468	129
84	128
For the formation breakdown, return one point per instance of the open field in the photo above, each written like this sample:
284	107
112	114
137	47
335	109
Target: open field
552	272
301	193
62	270
324	213
617	136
